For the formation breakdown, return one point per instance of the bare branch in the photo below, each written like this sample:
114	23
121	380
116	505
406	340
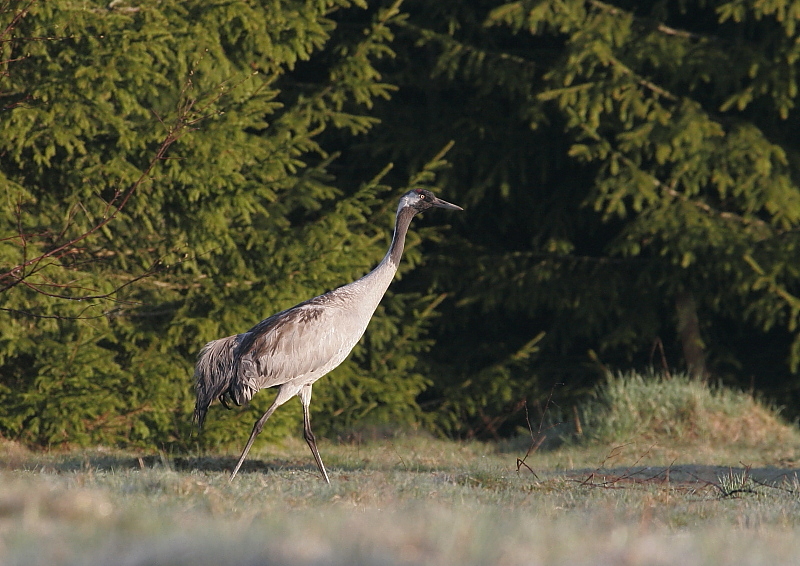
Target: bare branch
614	11
27	267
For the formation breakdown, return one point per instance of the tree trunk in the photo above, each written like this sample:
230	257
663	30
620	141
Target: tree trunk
689	334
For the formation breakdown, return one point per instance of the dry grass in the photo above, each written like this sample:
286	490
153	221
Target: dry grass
649	500
408	500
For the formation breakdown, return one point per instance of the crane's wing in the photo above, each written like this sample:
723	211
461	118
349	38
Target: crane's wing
306	341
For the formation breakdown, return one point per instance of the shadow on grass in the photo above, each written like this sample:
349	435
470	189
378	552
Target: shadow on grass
68	463
687	474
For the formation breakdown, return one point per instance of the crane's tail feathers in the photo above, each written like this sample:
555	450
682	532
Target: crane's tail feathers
213	374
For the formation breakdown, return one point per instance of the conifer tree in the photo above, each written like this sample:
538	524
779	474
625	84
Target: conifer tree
175	171
629	174
164	183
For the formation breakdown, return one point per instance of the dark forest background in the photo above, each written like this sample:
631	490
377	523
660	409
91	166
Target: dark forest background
175	171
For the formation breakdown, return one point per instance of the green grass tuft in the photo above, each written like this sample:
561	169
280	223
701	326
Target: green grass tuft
654	407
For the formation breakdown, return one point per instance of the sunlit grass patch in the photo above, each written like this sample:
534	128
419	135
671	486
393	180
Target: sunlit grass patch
680	409
156	516
415	499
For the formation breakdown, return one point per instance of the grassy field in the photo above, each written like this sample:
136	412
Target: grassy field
410	499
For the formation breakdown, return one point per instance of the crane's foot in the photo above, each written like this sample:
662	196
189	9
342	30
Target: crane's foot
325	476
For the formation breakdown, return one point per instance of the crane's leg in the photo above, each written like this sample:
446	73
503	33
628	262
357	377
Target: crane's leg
305	398
280	399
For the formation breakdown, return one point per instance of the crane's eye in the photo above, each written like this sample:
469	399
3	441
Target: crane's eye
422	196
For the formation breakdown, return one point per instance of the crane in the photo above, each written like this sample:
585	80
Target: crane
294	348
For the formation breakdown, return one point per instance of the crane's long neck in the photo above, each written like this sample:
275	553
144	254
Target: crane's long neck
377	281
401	224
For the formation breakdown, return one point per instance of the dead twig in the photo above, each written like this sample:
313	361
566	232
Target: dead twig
61	246
538	438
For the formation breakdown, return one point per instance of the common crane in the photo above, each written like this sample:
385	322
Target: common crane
294	348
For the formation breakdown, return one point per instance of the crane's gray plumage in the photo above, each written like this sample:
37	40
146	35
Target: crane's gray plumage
294	348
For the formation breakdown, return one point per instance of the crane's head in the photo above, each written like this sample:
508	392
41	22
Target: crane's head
423	199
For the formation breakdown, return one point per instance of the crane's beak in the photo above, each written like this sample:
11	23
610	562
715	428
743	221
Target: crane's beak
444	204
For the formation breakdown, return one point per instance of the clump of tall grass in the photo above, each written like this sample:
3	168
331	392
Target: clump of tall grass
678	408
